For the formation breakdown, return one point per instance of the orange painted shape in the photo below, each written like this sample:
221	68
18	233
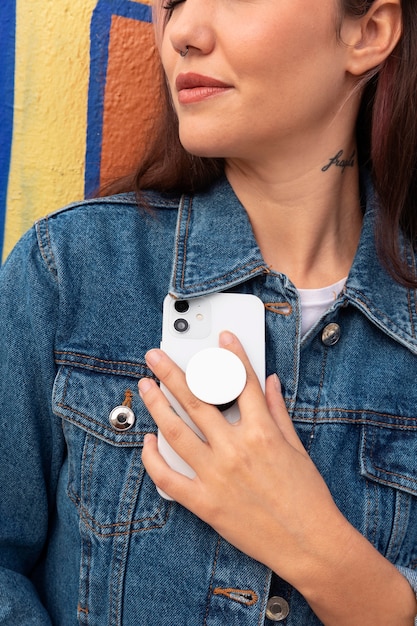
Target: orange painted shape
131	99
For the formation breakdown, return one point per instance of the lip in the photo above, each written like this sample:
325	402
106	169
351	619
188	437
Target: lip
193	87
191	81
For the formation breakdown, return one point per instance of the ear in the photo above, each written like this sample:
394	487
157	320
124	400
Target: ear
370	39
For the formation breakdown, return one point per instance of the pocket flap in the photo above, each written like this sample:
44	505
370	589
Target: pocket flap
86	398
389	455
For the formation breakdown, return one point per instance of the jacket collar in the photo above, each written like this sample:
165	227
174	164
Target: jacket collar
389	305
215	250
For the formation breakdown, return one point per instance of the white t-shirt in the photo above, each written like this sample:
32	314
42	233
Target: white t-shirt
315	302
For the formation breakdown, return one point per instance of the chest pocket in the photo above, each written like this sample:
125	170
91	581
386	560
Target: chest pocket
389	462
106	479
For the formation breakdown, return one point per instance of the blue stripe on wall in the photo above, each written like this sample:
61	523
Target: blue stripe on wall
7	67
100	35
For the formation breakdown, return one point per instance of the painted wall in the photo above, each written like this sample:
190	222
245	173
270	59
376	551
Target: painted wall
78	92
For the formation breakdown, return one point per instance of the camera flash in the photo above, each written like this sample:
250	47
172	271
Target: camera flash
199	317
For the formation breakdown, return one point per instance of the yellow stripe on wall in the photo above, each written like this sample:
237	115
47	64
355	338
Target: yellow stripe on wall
51	96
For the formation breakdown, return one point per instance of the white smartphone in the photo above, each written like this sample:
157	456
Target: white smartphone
190	328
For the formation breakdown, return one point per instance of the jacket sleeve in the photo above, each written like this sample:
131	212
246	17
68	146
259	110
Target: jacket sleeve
411	576
31	443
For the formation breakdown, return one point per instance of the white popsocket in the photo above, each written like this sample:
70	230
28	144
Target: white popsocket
216	376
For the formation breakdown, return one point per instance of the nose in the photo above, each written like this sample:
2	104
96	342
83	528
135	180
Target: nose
191	27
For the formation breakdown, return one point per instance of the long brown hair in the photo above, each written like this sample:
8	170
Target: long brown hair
387	142
387	138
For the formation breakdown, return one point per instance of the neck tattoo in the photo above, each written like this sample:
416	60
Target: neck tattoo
338	161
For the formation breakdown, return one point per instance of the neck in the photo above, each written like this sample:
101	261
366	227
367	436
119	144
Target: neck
306	220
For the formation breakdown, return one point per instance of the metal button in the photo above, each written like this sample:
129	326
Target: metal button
331	334
122	418
277	609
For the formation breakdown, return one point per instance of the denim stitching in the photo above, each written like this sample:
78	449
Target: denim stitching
394	474
83	611
187	231
399	527
210	591
385	471
375	516
392	550
222	278
110	362
359	421
108	370
103	370
45	248
83	474
90	473
296	370
123	561
184	261
368	507
65	390
364	301
123	200
177	241
319	391
92	523
261	619
412	293
133	434
184	242
371	519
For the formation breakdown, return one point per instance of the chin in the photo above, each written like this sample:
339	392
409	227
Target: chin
203	146
202	150
204	153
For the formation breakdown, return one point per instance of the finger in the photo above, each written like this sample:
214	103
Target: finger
278	410
252	397
179	435
229	341
171	482
205	416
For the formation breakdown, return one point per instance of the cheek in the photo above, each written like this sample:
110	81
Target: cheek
280	50
167	55
168	60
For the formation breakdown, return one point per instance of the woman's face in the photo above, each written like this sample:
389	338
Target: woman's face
259	75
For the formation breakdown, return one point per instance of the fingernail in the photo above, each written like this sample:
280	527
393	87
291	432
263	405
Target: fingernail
147	438
226	338
144	385
153	357
277	382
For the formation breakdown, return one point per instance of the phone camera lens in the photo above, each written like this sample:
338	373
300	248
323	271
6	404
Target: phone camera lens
181	325
181	306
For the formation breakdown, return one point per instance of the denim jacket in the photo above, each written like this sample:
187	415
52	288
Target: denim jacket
84	536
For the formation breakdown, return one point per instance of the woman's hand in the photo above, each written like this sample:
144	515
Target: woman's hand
255	484
257	487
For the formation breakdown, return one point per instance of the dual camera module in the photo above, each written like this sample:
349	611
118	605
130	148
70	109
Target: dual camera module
190	319
181	325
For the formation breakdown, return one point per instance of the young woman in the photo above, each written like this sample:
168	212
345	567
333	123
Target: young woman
293	179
